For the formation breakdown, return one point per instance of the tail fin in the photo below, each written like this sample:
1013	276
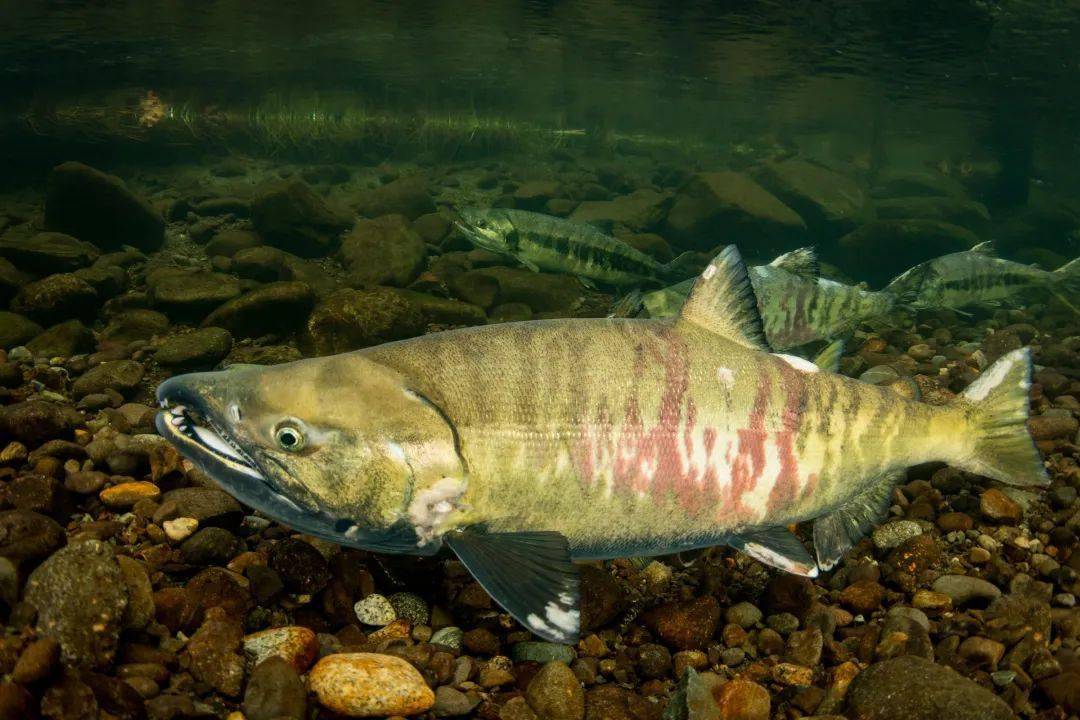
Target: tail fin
997	408
1070	269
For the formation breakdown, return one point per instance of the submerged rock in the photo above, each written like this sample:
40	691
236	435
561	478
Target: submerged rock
99	209
384	251
213	654
903	243
136	324
406	196
966	213
369	685
188	294
11	279
62	340
275	692
16	329
639	211
830	203
291	216
353	319
56	298
275	308
123	376
229	242
445	311
716	206
201	349
913	688
80	597
32	422
48	252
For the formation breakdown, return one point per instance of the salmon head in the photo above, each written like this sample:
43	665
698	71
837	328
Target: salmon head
491	229
340	447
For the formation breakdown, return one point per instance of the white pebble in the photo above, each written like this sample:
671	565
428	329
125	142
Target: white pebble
375	610
180	529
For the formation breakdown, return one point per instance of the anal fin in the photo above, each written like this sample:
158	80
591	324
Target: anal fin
777	547
837	532
529	574
829	358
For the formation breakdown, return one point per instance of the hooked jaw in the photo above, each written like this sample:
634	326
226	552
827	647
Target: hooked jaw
191	421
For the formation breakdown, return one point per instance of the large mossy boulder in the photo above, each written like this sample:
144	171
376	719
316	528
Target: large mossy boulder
640	211
720	208
353	319
831	203
408	196
62	340
383	251
913	688
189	294
292	216
48	252
957	211
198	350
273	309
55	298
100	209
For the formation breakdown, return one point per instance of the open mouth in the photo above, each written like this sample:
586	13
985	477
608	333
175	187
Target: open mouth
201	429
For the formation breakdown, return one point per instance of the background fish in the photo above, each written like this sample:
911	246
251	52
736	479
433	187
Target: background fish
523	446
543	242
978	277
797	307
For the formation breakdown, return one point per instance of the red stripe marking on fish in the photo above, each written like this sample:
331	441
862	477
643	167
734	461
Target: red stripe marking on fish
786	488
750	458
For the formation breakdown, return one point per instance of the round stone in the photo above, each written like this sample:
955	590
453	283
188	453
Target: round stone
369	684
375	610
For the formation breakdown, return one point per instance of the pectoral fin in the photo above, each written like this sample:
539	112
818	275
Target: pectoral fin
777	547
529	574
837	532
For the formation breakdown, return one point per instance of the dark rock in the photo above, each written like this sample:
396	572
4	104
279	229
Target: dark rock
209	506
137	324
275	692
384	251
611	702
115	697
639	211
223	206
16	703
70	699
554	693
263	263
123	376
11	279
685	625
727	204
602	598
966	213
289	215
830	203
107	280
37	661
432	227
302	568
543	292
48	252
274	308
190	294
476	288
229	242
56	298
445	311
16	329
212	655
28	536
99	209
210	546
353	319
32	422
912	688
406	196
198	350
80	597
62	340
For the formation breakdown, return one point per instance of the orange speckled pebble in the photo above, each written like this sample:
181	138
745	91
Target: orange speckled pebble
297	645
127	494
369	684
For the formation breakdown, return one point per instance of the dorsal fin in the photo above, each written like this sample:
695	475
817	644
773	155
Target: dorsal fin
722	301
985	248
802	262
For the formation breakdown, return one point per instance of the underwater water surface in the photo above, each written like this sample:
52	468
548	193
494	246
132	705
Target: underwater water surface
191	187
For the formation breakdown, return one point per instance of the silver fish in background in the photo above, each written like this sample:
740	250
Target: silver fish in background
978	277
797	307
543	242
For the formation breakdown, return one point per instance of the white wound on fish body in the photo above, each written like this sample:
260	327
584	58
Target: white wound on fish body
800	364
396	451
432	507
709	271
726	376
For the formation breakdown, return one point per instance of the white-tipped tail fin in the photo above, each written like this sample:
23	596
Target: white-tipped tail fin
998	404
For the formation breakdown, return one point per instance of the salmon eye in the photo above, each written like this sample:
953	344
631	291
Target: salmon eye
289	438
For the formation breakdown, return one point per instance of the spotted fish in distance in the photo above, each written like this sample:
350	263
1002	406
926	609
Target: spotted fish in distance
525	446
978	277
797	307
543	242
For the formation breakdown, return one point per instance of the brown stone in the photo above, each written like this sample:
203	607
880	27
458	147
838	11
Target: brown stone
742	700
996	505
686	625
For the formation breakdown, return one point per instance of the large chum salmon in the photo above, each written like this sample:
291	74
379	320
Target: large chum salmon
525	446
